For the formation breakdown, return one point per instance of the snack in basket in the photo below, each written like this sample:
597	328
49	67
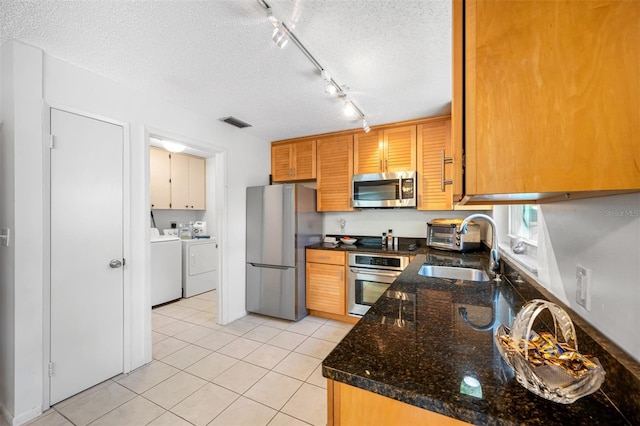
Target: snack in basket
548	364
544	349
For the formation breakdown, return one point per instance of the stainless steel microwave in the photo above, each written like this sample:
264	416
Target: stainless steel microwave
385	190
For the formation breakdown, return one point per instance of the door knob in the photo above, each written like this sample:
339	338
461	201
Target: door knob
115	263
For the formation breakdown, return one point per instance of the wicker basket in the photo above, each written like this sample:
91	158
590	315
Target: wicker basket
549	370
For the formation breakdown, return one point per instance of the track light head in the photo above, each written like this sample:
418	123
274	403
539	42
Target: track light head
271	18
365	125
330	89
280	37
349	109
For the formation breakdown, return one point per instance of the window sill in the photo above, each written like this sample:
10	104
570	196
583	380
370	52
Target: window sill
526	261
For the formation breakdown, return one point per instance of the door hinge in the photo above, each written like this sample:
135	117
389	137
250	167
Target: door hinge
50	141
124	261
50	369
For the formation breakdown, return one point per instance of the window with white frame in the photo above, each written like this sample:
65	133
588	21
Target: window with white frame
523	223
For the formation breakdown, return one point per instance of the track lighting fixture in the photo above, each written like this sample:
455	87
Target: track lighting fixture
349	109
365	125
281	36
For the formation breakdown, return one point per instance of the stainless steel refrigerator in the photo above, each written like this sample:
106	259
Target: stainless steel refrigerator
281	221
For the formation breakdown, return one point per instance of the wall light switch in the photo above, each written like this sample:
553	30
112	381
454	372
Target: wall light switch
5	235
583	290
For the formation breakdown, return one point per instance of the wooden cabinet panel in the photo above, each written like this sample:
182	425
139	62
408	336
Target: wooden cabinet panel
385	150
326	287
293	161
179	181
552	111
326	256
197	183
281	162
434	146
348	405
400	149
368	152
160	178
334	173
305	160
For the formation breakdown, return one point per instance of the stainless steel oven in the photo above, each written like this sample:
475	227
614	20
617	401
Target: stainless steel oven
370	275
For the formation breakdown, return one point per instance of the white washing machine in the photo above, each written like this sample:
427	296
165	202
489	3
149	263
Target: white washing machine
199	266
166	268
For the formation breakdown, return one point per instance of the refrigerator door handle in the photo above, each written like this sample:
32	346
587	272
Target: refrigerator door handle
262	265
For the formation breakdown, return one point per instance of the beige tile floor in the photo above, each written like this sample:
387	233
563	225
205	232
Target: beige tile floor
254	371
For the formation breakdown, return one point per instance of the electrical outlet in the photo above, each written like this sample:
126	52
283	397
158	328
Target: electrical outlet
583	290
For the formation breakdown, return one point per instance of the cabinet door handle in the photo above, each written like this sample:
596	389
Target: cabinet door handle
386	165
381	165
444	160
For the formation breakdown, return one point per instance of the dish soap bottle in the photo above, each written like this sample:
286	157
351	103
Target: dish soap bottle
390	239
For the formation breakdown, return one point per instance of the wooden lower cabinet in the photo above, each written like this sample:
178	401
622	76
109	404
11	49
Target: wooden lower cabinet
326	278
351	406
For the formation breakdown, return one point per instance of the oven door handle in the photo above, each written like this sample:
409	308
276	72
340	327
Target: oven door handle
374	272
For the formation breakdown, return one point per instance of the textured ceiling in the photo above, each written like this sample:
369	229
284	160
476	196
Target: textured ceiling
217	58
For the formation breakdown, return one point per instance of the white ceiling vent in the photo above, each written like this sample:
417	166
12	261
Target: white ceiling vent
235	122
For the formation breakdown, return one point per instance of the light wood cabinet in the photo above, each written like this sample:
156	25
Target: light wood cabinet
160	178
552	96
177	181
435	165
326	281
187	182
334	173
390	149
348	405
294	160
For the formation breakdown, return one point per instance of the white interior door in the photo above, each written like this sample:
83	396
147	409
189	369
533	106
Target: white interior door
87	283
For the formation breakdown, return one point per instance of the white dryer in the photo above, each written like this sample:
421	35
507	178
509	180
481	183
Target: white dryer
199	266
166	268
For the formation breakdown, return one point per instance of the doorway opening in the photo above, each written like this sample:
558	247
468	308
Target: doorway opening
211	214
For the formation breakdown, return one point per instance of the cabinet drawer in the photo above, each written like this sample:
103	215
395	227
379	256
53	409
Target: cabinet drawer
325	256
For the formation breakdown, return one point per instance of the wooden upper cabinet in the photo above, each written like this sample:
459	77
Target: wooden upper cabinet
197	183
188	182
334	173
293	160
400	148
390	149
368	152
552	97
435	165
160	178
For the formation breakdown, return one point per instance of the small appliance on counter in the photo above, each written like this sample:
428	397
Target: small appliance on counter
443	234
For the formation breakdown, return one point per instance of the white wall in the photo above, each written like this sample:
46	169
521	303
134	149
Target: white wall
7	220
373	222
65	85
602	234
22	205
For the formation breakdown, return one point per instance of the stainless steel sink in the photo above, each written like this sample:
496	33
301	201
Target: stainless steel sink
467	274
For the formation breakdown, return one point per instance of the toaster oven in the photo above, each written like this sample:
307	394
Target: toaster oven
443	234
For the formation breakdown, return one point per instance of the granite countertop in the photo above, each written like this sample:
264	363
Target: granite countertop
415	346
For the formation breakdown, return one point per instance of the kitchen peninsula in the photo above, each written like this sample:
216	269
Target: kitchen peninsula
428	343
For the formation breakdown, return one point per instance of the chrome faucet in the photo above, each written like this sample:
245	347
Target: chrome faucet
494	257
